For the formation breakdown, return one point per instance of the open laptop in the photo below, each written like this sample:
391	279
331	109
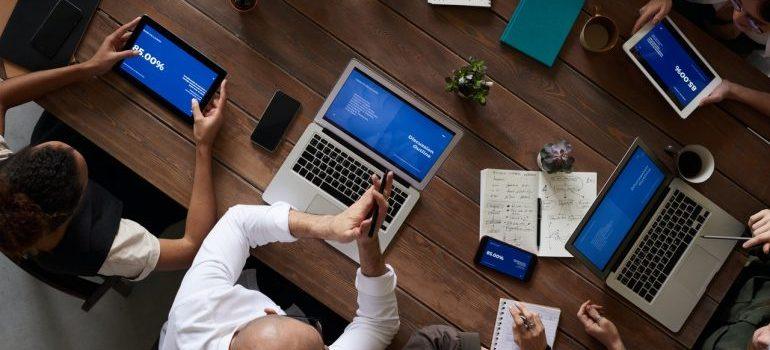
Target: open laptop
366	126
643	237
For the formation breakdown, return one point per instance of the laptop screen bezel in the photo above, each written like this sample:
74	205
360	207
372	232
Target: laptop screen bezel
402	93
638	225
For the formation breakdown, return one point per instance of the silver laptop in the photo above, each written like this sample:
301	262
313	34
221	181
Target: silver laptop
368	125
643	237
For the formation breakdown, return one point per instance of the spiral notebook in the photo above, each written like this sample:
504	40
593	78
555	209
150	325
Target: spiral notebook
502	338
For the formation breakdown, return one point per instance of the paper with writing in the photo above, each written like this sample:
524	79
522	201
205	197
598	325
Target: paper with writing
565	200
509	207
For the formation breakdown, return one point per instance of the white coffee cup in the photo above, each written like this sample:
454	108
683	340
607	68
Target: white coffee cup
695	163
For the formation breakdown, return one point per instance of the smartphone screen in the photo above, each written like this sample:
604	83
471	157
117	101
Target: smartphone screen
56	28
505	258
275	121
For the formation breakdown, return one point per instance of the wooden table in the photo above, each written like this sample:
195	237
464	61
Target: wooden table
599	102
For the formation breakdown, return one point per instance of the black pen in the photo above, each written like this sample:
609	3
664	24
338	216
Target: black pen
376	208
539	211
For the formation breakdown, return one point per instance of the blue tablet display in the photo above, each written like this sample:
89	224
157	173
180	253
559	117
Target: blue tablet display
672	63
168	70
390	126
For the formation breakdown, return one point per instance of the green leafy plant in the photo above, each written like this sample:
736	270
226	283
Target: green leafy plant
470	81
556	157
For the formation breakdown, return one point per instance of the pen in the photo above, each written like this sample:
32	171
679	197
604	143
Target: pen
735	238
376	208
539	210
522	317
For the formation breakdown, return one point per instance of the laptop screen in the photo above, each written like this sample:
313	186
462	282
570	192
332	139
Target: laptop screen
388	125
618	210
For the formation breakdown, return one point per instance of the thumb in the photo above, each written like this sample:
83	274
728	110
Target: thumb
125	54
707	100
196	110
752	242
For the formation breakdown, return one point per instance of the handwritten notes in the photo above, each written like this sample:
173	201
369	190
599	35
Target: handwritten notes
502	337
509	207
565	200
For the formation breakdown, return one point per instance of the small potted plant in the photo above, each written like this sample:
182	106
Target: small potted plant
470	82
243	5
556	157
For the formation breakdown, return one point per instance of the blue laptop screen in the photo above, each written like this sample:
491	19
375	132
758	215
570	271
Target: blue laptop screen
613	218
388	125
672	63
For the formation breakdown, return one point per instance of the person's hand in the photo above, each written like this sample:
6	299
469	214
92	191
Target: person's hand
354	222
599	327
720	93
108	53
761	339
652	12
528	338
208	122
759	224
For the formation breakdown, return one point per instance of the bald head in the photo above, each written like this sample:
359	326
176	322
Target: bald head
274	332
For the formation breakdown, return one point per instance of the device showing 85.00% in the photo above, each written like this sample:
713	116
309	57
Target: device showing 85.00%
150	58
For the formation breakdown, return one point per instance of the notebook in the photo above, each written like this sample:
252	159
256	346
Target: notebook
538	28
476	3
524	208
502	337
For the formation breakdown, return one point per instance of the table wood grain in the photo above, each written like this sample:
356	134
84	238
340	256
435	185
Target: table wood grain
599	102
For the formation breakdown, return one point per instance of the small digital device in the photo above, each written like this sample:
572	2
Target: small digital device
56	28
168	69
672	64
505	258
274	122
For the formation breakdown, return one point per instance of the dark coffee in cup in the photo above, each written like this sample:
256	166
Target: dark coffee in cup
690	164
599	34
243	5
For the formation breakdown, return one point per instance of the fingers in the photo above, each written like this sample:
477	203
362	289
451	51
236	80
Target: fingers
754	241
125	54
583	316
756	217
707	100
222	93
196	109
595	316
516	314
644	17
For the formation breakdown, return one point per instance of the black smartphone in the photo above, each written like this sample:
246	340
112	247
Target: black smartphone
505	258
275	121
56	28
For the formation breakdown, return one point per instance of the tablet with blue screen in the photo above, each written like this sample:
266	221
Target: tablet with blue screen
673	65
168	69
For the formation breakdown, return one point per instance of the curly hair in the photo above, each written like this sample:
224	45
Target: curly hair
40	189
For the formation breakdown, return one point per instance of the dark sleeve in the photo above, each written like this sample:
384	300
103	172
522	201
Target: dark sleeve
442	337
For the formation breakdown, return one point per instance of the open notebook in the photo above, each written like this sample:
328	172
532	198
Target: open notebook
524	208
502	338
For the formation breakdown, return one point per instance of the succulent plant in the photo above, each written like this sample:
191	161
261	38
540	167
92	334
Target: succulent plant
556	157
470	81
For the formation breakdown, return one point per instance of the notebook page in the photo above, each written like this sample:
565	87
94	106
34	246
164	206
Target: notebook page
509	207
565	200
503	338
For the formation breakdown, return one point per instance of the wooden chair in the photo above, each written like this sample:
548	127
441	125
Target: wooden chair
89	291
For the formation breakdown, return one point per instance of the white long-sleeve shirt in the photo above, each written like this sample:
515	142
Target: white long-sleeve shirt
209	307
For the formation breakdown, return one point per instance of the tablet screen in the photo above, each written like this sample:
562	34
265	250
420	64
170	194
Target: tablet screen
166	69
673	64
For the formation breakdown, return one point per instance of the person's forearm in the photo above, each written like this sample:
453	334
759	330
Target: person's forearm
756	99
28	87
202	212
372	262
303	225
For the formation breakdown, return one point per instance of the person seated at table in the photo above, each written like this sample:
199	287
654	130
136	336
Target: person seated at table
52	213
744	26
211	312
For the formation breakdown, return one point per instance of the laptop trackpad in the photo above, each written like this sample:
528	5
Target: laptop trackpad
695	269
322	206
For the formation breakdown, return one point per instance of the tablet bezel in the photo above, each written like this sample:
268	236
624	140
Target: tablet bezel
221	73
689	108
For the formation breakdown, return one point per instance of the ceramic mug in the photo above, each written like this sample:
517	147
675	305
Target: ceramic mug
694	163
243	5
599	34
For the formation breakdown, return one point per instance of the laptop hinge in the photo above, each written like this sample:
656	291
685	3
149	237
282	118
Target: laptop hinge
364	156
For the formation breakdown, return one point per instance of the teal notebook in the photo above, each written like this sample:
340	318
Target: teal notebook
538	28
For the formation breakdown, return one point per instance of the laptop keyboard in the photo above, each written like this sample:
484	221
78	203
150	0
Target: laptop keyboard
342	176
666	240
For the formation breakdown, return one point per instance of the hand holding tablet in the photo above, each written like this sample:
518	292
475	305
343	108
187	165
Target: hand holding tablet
168	69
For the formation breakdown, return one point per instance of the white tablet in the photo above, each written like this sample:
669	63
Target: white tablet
673	65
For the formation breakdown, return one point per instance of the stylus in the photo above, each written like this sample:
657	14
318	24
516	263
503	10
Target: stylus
376	208
735	238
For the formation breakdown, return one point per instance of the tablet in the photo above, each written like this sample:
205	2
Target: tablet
673	65
168	69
